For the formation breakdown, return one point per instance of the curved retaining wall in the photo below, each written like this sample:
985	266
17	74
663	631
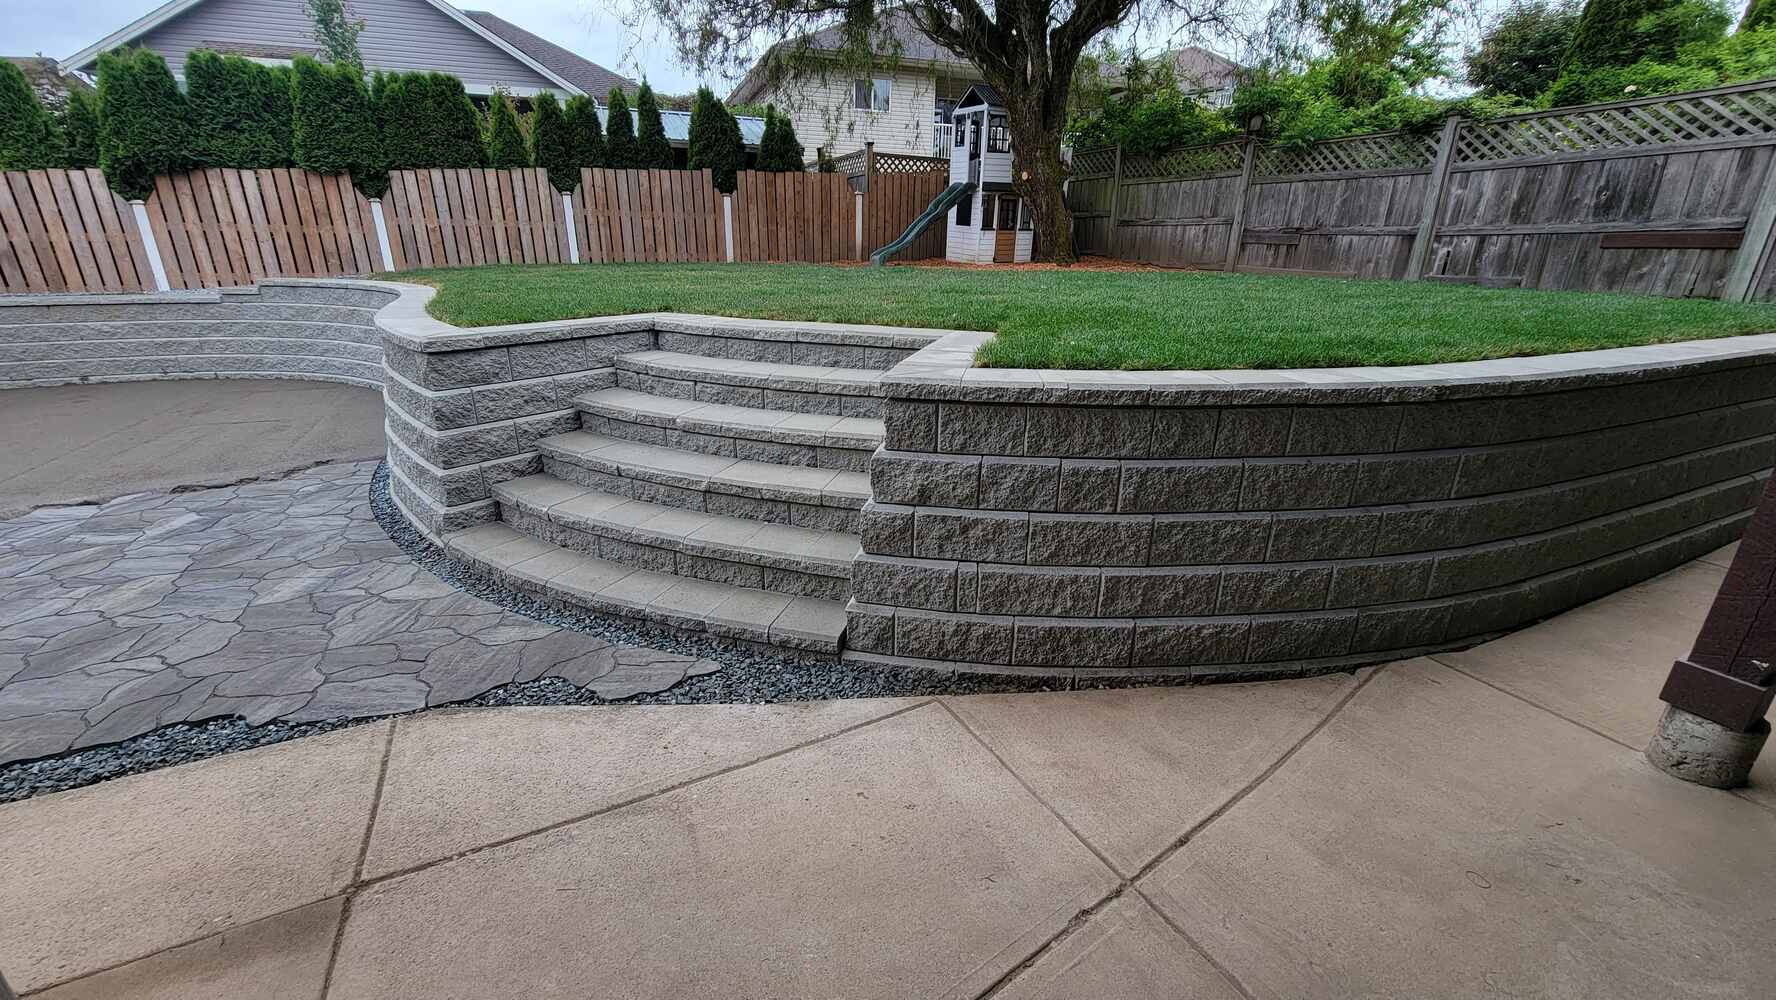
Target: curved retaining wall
1247	524
290	328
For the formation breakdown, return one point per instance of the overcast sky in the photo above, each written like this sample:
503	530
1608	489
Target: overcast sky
585	26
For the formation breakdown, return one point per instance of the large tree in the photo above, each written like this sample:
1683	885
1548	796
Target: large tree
1026	49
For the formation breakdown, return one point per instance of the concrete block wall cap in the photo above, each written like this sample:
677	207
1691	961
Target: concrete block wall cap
112	299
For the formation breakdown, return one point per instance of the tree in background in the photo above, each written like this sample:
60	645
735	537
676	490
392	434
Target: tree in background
619	132
332	128
651	148
505	140
144	121
1761	14
1609	34
1521	51
337	34
584	131
1629	48
551	143
240	111
79	122
778	149
28	137
715	142
1124	100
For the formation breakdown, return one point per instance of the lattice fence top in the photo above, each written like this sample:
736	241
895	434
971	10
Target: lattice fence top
1379	151
851	164
1218	158
903	163
1094	162
1731	113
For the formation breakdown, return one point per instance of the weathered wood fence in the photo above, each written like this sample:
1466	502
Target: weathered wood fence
1671	195
64	230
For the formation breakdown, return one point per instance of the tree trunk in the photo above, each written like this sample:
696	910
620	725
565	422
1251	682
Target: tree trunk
1038	175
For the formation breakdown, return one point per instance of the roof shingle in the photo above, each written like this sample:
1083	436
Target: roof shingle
593	79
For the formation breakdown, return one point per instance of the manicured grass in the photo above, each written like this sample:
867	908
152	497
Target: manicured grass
1104	319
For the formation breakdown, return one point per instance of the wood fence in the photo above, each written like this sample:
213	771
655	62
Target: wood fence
1671	195
63	230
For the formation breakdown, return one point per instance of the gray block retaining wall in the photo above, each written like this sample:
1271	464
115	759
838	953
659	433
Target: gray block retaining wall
1257	524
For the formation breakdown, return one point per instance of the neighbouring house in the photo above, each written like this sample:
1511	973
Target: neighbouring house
991	224
47	80
484	51
1207	76
902	103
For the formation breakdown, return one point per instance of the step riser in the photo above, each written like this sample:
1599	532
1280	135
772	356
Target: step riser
665	560
775	452
708	501
828	404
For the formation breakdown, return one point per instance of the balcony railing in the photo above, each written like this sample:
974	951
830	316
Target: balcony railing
941	136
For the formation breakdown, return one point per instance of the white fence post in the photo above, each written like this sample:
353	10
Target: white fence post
382	234
728	224
857	227
573	238
150	244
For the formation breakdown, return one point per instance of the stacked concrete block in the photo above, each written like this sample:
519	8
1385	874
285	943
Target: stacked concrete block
1276	524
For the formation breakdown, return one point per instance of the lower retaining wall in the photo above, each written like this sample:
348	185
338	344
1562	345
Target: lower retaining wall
1263	524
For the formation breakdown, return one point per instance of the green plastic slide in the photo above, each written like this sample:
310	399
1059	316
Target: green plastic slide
945	200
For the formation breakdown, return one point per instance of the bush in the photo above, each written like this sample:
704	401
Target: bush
619	131
715	141
28	136
586	135
333	131
651	148
426	120
1608	34
1761	14
79	123
778	149
1617	83
551	144
240	111
1521	51
143	121
505	140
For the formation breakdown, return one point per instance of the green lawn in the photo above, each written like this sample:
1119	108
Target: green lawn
1099	319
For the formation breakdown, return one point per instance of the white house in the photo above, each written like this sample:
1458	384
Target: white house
902	103
992	224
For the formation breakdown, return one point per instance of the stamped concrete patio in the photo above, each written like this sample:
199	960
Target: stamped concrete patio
1477	824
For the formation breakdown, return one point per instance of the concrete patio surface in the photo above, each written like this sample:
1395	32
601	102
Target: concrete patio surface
89	443
1476	824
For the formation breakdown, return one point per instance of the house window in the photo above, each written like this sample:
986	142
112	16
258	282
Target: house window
998	136
986	212
965	211
1008	211
961	132
871	95
1024	216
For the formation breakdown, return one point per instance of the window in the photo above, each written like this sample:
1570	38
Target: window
1008	211
961	132
998	136
871	95
965	211
1024	216
986	212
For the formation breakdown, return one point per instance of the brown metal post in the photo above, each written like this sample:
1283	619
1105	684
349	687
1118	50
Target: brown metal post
1721	691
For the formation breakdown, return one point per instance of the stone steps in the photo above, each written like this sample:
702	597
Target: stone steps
813	440
825	499
849	392
566	578
802	562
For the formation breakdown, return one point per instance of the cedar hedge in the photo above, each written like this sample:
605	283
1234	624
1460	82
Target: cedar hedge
240	111
651	148
779	150
551	143
79	123
144	121
333	131
505	140
619	132
715	141
586	135
28	135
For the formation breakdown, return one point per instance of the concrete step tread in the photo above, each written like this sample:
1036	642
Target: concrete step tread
763	374
725	420
802	623
695	470
713	536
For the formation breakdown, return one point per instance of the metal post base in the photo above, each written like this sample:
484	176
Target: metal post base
1706	753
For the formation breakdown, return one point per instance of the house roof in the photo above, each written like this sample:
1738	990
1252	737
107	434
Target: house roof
588	76
678	125
1197	66
47	80
83	60
896	31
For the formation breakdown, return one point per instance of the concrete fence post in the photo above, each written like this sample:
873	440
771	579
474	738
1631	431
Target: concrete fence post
728	225
573	238
1715	698
382	234
857	225
151	247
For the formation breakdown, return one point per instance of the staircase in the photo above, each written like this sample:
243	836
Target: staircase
708	491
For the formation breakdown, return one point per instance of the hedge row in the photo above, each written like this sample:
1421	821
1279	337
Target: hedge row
323	117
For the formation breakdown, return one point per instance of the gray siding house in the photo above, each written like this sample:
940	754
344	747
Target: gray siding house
484	51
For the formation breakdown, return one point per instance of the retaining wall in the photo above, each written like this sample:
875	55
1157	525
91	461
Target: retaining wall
1247	524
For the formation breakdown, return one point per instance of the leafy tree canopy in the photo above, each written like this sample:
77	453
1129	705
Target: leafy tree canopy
1520	53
